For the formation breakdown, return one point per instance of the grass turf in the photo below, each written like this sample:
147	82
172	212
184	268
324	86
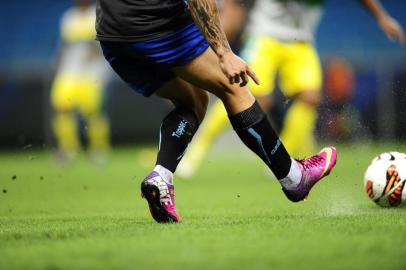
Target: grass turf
234	217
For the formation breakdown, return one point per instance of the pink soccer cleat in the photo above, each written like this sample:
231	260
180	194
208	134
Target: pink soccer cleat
313	170
161	198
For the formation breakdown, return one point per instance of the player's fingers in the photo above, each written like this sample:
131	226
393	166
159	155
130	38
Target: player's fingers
253	75
233	78
230	77
236	78
244	79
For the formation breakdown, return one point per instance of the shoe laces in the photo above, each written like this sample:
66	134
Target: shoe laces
166	192
311	162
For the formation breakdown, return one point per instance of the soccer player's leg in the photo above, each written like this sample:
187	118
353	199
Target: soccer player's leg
177	128
176	132
64	122
252	126
90	105
301	79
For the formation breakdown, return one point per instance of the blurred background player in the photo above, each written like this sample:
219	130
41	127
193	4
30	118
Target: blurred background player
280	41
79	86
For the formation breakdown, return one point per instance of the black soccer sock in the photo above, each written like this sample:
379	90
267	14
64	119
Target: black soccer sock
177	130
254	129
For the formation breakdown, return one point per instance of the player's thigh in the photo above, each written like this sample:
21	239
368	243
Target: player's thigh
262	55
204	72
182	93
300	70
63	96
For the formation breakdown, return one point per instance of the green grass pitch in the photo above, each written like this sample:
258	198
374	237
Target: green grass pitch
234	217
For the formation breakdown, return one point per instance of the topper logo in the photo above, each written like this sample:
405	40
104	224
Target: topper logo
180	130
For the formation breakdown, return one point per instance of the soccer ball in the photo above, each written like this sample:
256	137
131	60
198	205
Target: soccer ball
385	179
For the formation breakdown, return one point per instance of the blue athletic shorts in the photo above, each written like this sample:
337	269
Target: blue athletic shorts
145	66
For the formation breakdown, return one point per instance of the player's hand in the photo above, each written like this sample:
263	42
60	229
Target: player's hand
236	70
392	29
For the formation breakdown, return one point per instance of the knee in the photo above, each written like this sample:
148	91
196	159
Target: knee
312	98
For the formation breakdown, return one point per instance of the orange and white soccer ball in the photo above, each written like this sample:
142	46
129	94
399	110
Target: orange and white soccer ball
385	179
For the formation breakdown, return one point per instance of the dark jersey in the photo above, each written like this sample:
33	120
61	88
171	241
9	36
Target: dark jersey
137	20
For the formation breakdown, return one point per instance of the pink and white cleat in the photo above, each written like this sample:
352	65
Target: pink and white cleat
313	170
161	198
